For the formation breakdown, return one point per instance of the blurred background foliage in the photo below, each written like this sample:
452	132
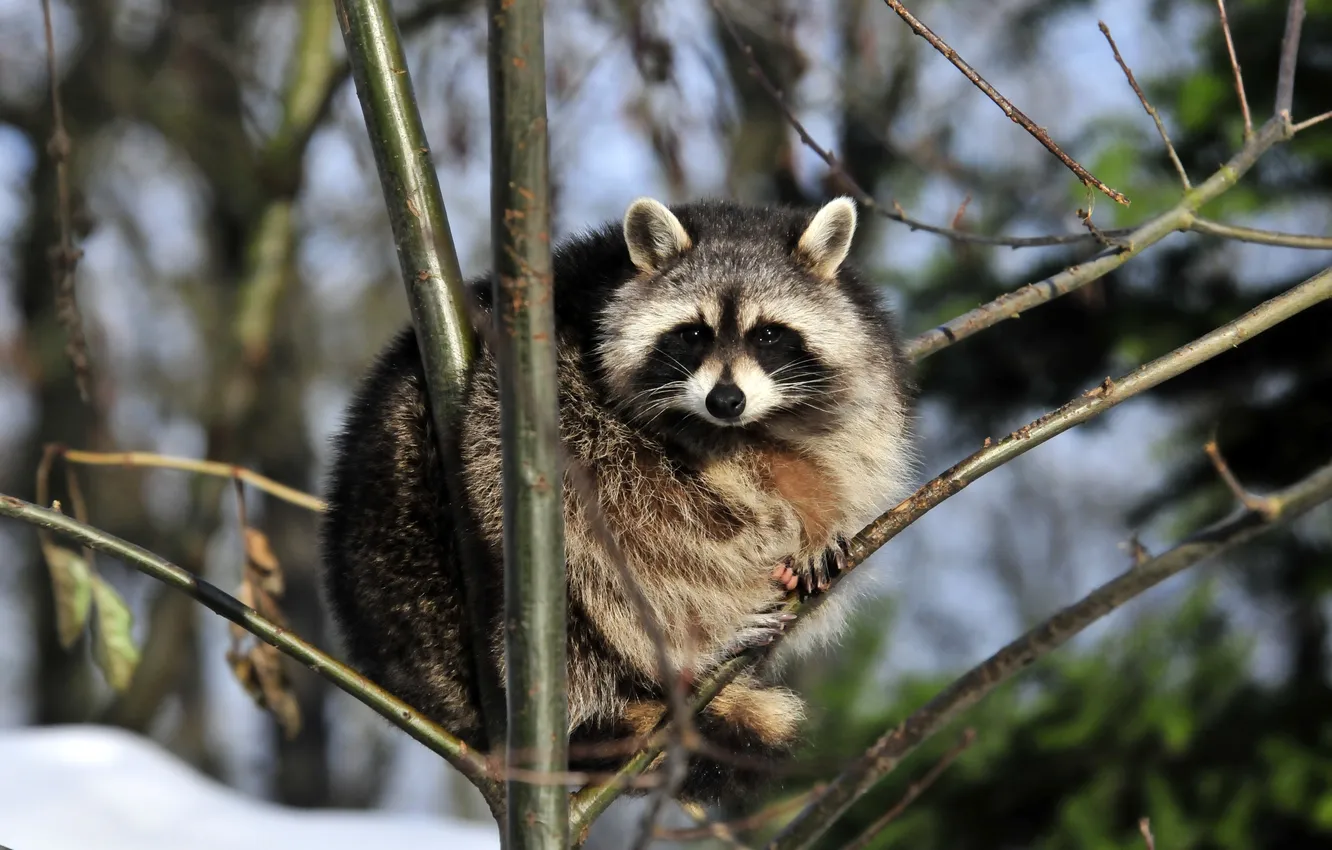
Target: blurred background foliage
239	274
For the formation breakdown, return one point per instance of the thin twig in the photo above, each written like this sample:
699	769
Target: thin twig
1179	217
200	467
1109	393
1290	50
1151	110
1307	123
1013	113
469	762
966	691
913	792
1261	237
1234	65
1115	237
1102	237
891	212
64	255
1257	504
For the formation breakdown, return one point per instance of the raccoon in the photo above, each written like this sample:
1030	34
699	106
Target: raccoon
740	399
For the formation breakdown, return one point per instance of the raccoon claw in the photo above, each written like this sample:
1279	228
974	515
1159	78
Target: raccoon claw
839	554
759	630
819	571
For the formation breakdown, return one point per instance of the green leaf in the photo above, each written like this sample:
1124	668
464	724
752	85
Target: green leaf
72	586
113	645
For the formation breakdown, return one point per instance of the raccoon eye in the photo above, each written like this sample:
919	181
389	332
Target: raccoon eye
693	334
769	334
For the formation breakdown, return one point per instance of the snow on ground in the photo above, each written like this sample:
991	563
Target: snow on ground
84	787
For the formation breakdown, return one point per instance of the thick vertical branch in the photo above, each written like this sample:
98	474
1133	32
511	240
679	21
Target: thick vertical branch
534	571
430	268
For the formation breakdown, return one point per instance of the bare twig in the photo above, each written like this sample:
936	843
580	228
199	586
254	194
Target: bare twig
1179	217
1307	123
200	467
889	750
1093	403
1234	65
1101	236
64	255
1261	237
469	762
1013	113
1115	237
913	792
1257	504
1290	49
1145	827
1151	110
893	212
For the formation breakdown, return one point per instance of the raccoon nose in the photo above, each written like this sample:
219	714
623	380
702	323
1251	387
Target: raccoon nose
726	401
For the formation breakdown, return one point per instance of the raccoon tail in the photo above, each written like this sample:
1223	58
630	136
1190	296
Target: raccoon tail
748	730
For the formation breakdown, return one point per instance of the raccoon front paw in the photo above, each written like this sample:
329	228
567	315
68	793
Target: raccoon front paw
815	573
757	630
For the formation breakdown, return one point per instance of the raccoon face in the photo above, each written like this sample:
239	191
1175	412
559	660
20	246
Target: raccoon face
740	333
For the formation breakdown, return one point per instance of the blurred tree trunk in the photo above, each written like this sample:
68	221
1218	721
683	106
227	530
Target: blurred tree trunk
761	157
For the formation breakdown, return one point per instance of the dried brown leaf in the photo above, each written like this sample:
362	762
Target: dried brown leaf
259	671
259	555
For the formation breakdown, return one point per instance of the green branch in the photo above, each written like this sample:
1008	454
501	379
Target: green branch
435	288
468	762
535	587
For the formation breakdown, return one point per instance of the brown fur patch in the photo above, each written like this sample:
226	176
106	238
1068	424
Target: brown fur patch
770	713
807	488
643	717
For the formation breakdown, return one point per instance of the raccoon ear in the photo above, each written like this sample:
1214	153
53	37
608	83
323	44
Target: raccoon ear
826	242
654	235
